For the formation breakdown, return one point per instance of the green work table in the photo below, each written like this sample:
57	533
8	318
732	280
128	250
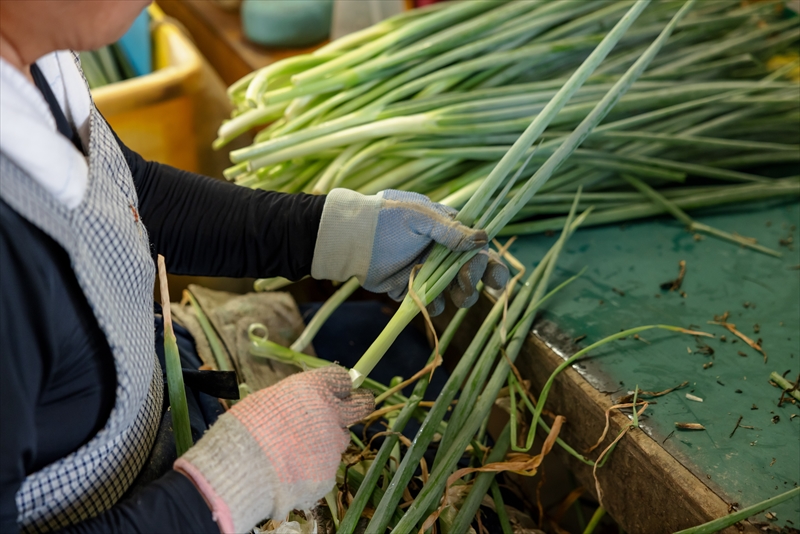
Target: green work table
664	479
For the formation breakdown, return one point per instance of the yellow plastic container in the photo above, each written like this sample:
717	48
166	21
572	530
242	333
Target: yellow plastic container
154	114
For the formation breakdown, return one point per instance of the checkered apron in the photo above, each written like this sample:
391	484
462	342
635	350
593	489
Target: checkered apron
110	254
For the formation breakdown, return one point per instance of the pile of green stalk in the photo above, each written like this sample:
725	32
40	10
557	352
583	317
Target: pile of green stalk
432	99
483	106
106	65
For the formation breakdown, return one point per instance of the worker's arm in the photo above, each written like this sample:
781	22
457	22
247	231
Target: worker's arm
208	227
170	504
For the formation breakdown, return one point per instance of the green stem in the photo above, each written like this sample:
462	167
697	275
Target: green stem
586	126
784	384
220	356
682	216
262	347
175	388
324	312
572	359
596	517
425	434
479	488
409	32
444	464
371	479
788	187
724	522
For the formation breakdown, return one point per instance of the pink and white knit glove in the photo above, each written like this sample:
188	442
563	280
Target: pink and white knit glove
276	450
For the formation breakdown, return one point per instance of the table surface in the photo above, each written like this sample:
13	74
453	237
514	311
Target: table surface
621	289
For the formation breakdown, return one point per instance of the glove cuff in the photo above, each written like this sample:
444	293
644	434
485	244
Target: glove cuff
229	469
346	236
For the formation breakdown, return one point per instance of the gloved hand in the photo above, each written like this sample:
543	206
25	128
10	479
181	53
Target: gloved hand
380	238
276	450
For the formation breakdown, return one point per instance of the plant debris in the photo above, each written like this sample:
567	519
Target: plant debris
776	419
736	427
742	354
693	398
650	394
707	365
754	407
723	338
689	426
579	338
749	305
732	329
619	292
787	387
674	285
702	348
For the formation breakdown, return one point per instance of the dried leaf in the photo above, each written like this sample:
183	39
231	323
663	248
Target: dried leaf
689	426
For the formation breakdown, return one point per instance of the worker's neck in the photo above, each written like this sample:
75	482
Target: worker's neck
10	54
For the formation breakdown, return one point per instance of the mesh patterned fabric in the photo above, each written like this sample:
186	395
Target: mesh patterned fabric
110	254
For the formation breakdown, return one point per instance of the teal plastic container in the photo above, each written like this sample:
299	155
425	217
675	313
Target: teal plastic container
287	23
138	46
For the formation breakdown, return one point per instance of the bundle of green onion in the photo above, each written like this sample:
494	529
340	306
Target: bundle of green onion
432	99
451	101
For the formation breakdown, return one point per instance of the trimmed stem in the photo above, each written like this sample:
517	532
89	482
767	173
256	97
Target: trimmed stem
175	387
322	315
729	520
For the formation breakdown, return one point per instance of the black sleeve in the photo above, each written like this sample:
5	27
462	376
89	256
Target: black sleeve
170	504
208	227
21	378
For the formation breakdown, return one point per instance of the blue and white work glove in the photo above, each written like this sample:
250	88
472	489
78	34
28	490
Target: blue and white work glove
380	238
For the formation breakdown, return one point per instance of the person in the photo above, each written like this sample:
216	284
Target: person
82	218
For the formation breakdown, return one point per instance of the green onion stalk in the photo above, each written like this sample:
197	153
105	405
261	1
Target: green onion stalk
449	453
175	388
729	520
475	352
390	442
322	315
